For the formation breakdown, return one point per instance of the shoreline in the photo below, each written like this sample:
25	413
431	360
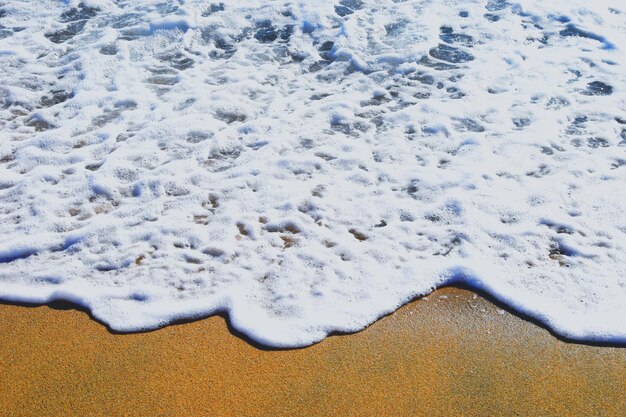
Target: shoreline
450	353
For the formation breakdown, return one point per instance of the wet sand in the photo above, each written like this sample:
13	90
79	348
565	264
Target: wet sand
451	354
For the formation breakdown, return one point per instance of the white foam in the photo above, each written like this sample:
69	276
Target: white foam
169	160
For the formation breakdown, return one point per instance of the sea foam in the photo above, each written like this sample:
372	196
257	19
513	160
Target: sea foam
309	166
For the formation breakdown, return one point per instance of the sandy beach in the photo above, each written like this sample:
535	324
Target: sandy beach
452	353
308	166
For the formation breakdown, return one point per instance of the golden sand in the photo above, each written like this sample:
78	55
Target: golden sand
452	354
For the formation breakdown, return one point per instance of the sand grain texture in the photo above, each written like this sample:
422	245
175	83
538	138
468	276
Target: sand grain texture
451	354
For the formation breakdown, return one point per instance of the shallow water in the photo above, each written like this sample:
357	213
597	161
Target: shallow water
310	166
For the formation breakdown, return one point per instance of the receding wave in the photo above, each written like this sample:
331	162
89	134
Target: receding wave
308	166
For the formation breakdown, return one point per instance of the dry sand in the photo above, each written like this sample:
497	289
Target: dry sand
453	354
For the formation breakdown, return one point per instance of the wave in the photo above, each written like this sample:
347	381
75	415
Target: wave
307	167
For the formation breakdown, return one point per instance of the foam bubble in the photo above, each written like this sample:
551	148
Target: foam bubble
309	166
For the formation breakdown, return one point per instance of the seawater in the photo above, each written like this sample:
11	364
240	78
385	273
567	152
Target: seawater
308	166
